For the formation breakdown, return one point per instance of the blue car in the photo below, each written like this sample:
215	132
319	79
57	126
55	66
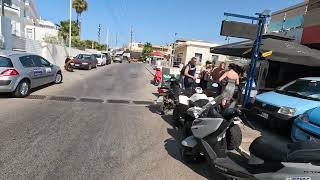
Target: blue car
307	126
280	107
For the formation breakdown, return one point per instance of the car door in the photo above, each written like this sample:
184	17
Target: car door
49	71
39	71
30	70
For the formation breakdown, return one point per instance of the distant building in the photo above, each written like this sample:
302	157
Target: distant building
186	49
138	48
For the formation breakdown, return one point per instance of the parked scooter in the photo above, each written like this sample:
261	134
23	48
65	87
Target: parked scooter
186	101
267	161
69	64
168	95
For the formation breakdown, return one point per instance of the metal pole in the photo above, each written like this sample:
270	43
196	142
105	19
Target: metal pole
2	7
255	57
70	26
107	39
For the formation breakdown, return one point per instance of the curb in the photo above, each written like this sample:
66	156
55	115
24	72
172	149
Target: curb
150	71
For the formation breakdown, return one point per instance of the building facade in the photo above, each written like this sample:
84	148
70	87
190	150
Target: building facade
311	28
26	22
184	50
301	22
138	47
289	21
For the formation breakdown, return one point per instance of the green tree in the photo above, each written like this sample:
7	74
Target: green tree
76	42
80	6
147	49
64	30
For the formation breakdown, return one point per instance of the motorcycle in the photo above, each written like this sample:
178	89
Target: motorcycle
69	64
292	161
186	101
168	95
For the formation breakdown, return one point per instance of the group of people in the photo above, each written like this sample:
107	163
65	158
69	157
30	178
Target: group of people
228	78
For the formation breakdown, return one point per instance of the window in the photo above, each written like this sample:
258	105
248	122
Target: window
198	56
44	62
5	62
215	58
27	61
29	33
37	61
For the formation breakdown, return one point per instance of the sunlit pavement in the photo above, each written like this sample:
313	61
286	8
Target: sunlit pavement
98	124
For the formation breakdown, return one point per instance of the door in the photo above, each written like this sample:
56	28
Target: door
40	70
30	70
49	70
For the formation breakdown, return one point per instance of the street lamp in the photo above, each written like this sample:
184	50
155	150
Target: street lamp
70	24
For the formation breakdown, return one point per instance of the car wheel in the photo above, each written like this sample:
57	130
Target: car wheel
22	90
234	137
58	78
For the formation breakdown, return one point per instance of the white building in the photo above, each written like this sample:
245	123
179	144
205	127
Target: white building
40	32
186	49
26	22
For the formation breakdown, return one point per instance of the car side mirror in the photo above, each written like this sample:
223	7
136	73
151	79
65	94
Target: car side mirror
51	65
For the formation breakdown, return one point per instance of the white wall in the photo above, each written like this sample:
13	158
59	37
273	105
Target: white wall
57	54
40	33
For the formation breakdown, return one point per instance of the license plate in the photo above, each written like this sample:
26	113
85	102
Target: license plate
77	64
264	115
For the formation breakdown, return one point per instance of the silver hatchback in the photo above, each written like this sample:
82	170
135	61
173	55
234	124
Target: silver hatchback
20	72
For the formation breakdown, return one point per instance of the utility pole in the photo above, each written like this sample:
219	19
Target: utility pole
70	25
99	32
117	39
2	7
131	38
107	41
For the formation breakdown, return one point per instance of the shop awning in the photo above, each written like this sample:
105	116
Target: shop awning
283	50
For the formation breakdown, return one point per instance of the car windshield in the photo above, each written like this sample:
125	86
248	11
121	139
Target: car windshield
307	89
97	55
84	57
5	62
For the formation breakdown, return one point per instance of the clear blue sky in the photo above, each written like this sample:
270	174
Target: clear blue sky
156	21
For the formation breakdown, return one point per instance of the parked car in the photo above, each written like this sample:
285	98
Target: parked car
117	59
282	106
108	56
307	126
20	72
85	61
101	58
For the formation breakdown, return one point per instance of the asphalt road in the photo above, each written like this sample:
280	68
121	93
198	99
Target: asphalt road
98	124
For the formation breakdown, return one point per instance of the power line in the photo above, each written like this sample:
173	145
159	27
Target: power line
99	32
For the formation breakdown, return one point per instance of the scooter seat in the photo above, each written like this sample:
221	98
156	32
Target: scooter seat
268	151
299	152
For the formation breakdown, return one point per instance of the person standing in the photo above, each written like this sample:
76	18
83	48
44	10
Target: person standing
232	79
218	72
189	73
205	74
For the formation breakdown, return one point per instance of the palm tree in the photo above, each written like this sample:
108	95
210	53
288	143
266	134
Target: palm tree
80	6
